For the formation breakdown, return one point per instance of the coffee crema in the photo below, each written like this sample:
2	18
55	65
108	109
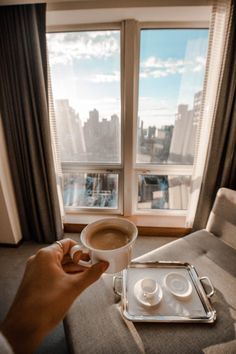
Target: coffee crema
108	239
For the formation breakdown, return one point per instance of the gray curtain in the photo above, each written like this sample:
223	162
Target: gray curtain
24	112
221	160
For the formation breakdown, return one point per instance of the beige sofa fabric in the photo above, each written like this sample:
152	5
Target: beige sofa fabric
94	323
96	315
223	348
222	219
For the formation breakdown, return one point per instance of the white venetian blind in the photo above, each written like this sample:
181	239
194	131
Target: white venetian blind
55	144
220	19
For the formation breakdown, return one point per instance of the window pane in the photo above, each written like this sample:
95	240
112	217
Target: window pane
90	190
85	75
172	66
163	192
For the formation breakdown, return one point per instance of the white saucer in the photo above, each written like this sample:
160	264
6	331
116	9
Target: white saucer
143	300
178	285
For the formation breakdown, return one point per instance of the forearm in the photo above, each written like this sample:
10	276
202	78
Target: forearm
22	340
45	295
22	333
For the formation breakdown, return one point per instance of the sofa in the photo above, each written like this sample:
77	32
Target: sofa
94	323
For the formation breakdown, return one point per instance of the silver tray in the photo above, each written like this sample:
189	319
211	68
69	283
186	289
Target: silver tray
195	308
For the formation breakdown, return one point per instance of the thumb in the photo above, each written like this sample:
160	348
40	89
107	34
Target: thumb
91	275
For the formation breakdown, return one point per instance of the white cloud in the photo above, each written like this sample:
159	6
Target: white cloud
102	78
152	62
168	64
201	60
66	47
156	67
197	68
200	64
96	34
159	73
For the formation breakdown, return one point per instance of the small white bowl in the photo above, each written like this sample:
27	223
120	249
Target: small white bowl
178	285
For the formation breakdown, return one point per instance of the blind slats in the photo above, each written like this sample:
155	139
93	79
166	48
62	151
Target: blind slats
219	22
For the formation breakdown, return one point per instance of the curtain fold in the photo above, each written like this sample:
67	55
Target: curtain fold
24	111
220	169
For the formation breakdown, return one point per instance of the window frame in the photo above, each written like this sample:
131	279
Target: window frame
128	170
90	167
140	168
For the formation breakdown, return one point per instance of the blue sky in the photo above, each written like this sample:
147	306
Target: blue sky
171	71
85	69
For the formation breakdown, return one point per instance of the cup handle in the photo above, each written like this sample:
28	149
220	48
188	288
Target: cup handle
77	248
86	264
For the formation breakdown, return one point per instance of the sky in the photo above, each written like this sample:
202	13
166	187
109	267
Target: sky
85	69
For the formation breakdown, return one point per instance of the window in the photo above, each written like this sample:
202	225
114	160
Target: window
171	74
126	128
85	70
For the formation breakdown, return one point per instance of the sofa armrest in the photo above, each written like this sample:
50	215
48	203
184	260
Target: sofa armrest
222	219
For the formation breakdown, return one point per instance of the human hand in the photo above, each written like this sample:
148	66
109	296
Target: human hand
50	284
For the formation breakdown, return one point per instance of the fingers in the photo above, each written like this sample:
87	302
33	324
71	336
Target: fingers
89	276
66	244
71	267
80	255
72	248
61	248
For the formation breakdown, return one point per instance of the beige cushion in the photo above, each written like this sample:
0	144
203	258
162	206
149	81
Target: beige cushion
222	219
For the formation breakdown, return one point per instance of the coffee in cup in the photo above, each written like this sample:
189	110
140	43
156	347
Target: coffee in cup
111	240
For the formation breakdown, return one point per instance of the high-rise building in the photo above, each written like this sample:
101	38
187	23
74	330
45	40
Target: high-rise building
182	148
69	131
91	131
102	138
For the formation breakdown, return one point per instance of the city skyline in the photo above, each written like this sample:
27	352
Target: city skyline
107	118
85	69
98	139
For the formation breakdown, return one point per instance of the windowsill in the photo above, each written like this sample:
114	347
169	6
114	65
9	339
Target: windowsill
147	225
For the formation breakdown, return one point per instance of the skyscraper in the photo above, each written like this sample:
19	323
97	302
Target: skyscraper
69	131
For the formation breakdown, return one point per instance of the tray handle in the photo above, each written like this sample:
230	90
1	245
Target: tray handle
211	293
117	279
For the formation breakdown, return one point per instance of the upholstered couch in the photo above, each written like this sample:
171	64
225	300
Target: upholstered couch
94	323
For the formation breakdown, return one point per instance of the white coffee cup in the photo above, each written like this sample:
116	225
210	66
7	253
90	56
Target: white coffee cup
149	287
111	240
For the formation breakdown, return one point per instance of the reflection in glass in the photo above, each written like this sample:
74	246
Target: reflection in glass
85	75
163	192
90	190
172	67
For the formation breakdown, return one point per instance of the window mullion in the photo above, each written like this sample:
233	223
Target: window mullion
165	169
130	61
